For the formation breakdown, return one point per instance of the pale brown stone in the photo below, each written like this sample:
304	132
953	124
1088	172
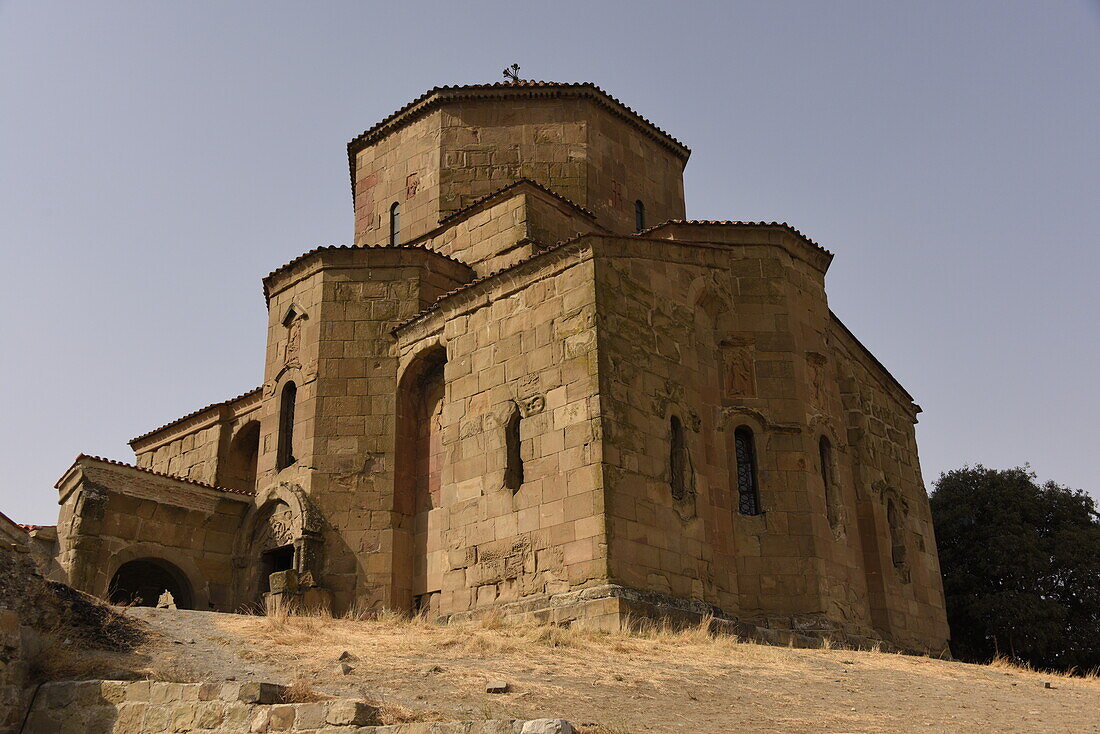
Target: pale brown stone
562	419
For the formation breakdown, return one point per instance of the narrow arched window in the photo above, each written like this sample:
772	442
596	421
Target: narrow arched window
748	497
395	224
513	470
285	455
677	459
639	216
898	551
825	456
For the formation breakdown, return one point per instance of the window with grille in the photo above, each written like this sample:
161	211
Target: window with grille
748	498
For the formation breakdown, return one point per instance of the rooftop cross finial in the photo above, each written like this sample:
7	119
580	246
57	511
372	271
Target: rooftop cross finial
511	73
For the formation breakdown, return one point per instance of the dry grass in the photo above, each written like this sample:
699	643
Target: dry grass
56	657
302	691
392	712
1000	662
650	677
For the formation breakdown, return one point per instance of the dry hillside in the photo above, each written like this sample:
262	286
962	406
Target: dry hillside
655	681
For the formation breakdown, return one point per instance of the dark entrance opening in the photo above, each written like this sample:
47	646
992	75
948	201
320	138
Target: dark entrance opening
274	560
142	581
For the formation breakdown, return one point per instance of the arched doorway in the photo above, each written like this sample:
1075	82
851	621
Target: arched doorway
141	582
273	544
418	480
238	471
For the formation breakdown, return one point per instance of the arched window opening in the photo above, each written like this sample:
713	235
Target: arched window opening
748	497
395	224
141	582
513	471
639	216
898	551
238	470
677	459
289	397
418	482
825	456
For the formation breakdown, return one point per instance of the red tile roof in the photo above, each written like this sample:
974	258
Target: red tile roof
721	222
192	414
13	523
435	305
434	96
330	248
508	187
112	462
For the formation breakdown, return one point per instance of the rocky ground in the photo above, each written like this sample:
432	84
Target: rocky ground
650	682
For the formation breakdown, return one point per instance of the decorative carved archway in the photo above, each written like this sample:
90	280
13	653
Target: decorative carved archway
283	531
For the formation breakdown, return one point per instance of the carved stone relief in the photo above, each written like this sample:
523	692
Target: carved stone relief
276	531
739	370
815	364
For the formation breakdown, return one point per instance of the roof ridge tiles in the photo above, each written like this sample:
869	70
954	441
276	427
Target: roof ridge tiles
522	84
328	248
519	181
741	223
434	305
192	414
610	100
197	483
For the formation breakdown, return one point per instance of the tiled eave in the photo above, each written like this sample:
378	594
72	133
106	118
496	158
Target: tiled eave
671	225
503	193
84	460
438	96
653	234
197	416
271	277
473	284
891	382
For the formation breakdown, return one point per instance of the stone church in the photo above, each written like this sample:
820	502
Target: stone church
532	386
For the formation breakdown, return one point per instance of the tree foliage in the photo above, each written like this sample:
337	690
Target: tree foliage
1021	567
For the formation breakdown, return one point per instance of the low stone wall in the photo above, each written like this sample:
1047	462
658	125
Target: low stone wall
615	608
147	707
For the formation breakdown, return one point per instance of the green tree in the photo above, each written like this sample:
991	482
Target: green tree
1021	567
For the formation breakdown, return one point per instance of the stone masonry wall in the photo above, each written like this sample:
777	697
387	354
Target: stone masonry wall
525	342
196	448
402	168
500	233
346	370
468	148
905	592
710	335
148	707
486	145
624	167
112	515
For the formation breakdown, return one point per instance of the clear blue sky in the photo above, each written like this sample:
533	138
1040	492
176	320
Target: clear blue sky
156	159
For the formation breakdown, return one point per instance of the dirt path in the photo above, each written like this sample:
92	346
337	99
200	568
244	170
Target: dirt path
625	684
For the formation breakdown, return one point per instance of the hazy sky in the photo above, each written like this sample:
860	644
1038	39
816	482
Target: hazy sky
157	159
